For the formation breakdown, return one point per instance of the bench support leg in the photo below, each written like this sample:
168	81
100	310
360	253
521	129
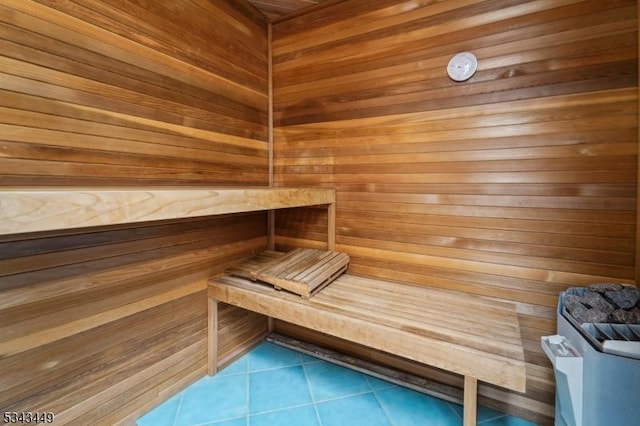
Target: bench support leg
470	400
212	347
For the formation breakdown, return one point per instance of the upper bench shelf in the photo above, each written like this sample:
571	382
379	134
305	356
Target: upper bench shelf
47	209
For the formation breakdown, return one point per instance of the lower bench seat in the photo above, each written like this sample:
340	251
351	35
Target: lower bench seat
472	336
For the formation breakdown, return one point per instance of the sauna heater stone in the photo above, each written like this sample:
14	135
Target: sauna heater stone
596	356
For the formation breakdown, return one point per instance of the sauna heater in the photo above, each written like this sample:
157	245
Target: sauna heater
597	369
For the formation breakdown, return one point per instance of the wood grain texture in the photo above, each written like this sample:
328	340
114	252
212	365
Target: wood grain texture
300	271
100	324
132	93
515	185
27	209
414	322
280	9
429	326
114	321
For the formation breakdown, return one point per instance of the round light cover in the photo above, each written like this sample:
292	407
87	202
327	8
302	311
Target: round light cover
462	66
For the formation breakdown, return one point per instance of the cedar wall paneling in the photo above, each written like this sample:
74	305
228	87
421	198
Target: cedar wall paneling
101	324
132	92
514	185
274	9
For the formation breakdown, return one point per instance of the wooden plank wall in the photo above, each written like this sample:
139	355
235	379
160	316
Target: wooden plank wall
99	325
274	9
515	185
120	92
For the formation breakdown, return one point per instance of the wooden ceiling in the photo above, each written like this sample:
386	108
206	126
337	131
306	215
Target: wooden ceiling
273	9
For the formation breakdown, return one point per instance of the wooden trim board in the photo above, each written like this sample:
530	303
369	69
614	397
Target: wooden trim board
402	378
25	210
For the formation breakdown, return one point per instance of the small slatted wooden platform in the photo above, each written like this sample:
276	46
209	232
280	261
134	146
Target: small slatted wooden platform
472	336
300	271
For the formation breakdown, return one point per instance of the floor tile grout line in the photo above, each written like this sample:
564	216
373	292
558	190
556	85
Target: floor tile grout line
175	416
227	375
276	368
368	382
276	410
455	413
313	398
390	384
318	417
490	419
384	410
214	422
248	406
306	378
337	398
304	361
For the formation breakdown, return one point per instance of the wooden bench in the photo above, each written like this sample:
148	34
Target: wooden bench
34	209
472	336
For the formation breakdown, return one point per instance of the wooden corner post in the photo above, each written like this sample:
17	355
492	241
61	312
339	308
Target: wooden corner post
212	347
331	226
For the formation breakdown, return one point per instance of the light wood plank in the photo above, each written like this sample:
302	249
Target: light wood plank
31	210
111	93
501	186
470	401
496	370
212	340
383	331
302	271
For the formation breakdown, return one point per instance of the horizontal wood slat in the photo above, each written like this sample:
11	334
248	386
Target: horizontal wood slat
126	94
344	309
114	322
46	209
516	184
281	9
116	92
301	271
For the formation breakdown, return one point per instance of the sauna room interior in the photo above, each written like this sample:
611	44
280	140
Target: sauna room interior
510	186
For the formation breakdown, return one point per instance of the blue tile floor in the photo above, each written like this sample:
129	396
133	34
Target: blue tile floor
273	386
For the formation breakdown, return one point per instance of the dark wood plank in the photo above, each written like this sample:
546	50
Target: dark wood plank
515	184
